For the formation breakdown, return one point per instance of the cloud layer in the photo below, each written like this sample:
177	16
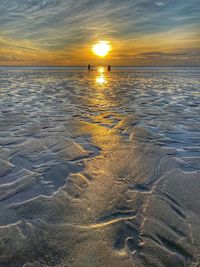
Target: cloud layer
61	32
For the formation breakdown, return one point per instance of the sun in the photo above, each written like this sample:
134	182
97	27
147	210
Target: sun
101	48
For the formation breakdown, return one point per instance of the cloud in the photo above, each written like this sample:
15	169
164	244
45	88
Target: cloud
169	56
4	58
160	3
66	26
164	58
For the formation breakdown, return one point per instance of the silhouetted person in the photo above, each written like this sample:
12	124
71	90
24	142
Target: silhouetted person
109	68
89	67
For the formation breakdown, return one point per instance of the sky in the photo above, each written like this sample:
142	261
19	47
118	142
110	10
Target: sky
62	32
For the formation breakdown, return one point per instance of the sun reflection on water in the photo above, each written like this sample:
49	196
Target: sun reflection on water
101	79
101	69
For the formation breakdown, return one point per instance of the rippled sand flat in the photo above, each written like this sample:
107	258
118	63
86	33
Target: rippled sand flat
100	172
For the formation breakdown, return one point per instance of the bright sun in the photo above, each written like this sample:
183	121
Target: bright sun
101	48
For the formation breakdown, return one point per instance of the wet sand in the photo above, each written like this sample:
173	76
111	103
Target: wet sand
100	172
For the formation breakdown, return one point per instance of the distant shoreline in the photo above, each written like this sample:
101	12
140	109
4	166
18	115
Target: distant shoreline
114	67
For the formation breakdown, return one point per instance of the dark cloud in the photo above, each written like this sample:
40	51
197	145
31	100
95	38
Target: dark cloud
4	58
169	56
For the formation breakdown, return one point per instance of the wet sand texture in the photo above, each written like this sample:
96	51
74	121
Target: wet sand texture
100	174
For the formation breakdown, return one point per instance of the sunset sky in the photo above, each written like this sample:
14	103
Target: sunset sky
62	32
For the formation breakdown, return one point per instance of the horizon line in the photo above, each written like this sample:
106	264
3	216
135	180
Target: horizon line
103	65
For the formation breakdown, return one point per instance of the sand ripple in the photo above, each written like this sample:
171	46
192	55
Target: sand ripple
99	175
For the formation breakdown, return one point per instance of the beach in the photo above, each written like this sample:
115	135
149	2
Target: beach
99	169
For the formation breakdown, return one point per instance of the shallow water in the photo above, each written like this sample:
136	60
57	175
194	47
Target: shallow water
100	169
